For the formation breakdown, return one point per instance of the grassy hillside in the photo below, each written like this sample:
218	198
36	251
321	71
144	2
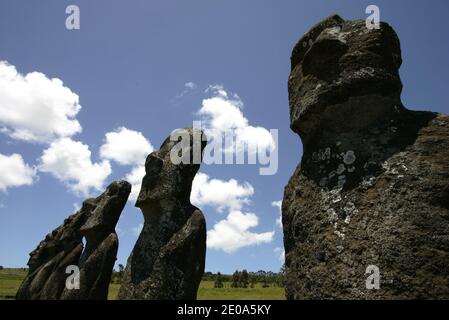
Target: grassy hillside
10	280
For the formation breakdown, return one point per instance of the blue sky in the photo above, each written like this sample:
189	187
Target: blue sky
145	66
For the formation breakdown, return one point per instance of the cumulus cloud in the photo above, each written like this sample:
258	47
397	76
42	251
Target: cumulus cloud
220	193
70	162
135	178
126	147
233	233
36	108
222	114
15	172
278	204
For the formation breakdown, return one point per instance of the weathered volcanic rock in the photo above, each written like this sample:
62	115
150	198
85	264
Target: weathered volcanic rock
63	247
168	259
372	187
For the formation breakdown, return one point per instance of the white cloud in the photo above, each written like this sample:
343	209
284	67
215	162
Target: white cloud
190	85
219	90
222	113
126	147
281	252
135	178
220	193
137	230
232	233
36	108
15	172
278	204
70	162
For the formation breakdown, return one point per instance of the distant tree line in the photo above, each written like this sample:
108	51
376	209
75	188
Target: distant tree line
245	279
239	279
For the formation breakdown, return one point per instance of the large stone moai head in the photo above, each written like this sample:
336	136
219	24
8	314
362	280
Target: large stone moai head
344	76
105	210
169	172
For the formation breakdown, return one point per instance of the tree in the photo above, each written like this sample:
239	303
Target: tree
218	281
265	282
1	267
280	279
208	276
235	279
252	280
244	279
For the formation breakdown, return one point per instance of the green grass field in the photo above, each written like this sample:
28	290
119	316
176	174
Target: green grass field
208	292
10	280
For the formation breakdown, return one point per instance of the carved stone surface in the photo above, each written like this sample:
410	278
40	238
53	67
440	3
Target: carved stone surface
63	247
372	188
168	259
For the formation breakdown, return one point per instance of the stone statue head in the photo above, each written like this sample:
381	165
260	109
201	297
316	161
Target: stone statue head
96	218
334	67
167	179
105	210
